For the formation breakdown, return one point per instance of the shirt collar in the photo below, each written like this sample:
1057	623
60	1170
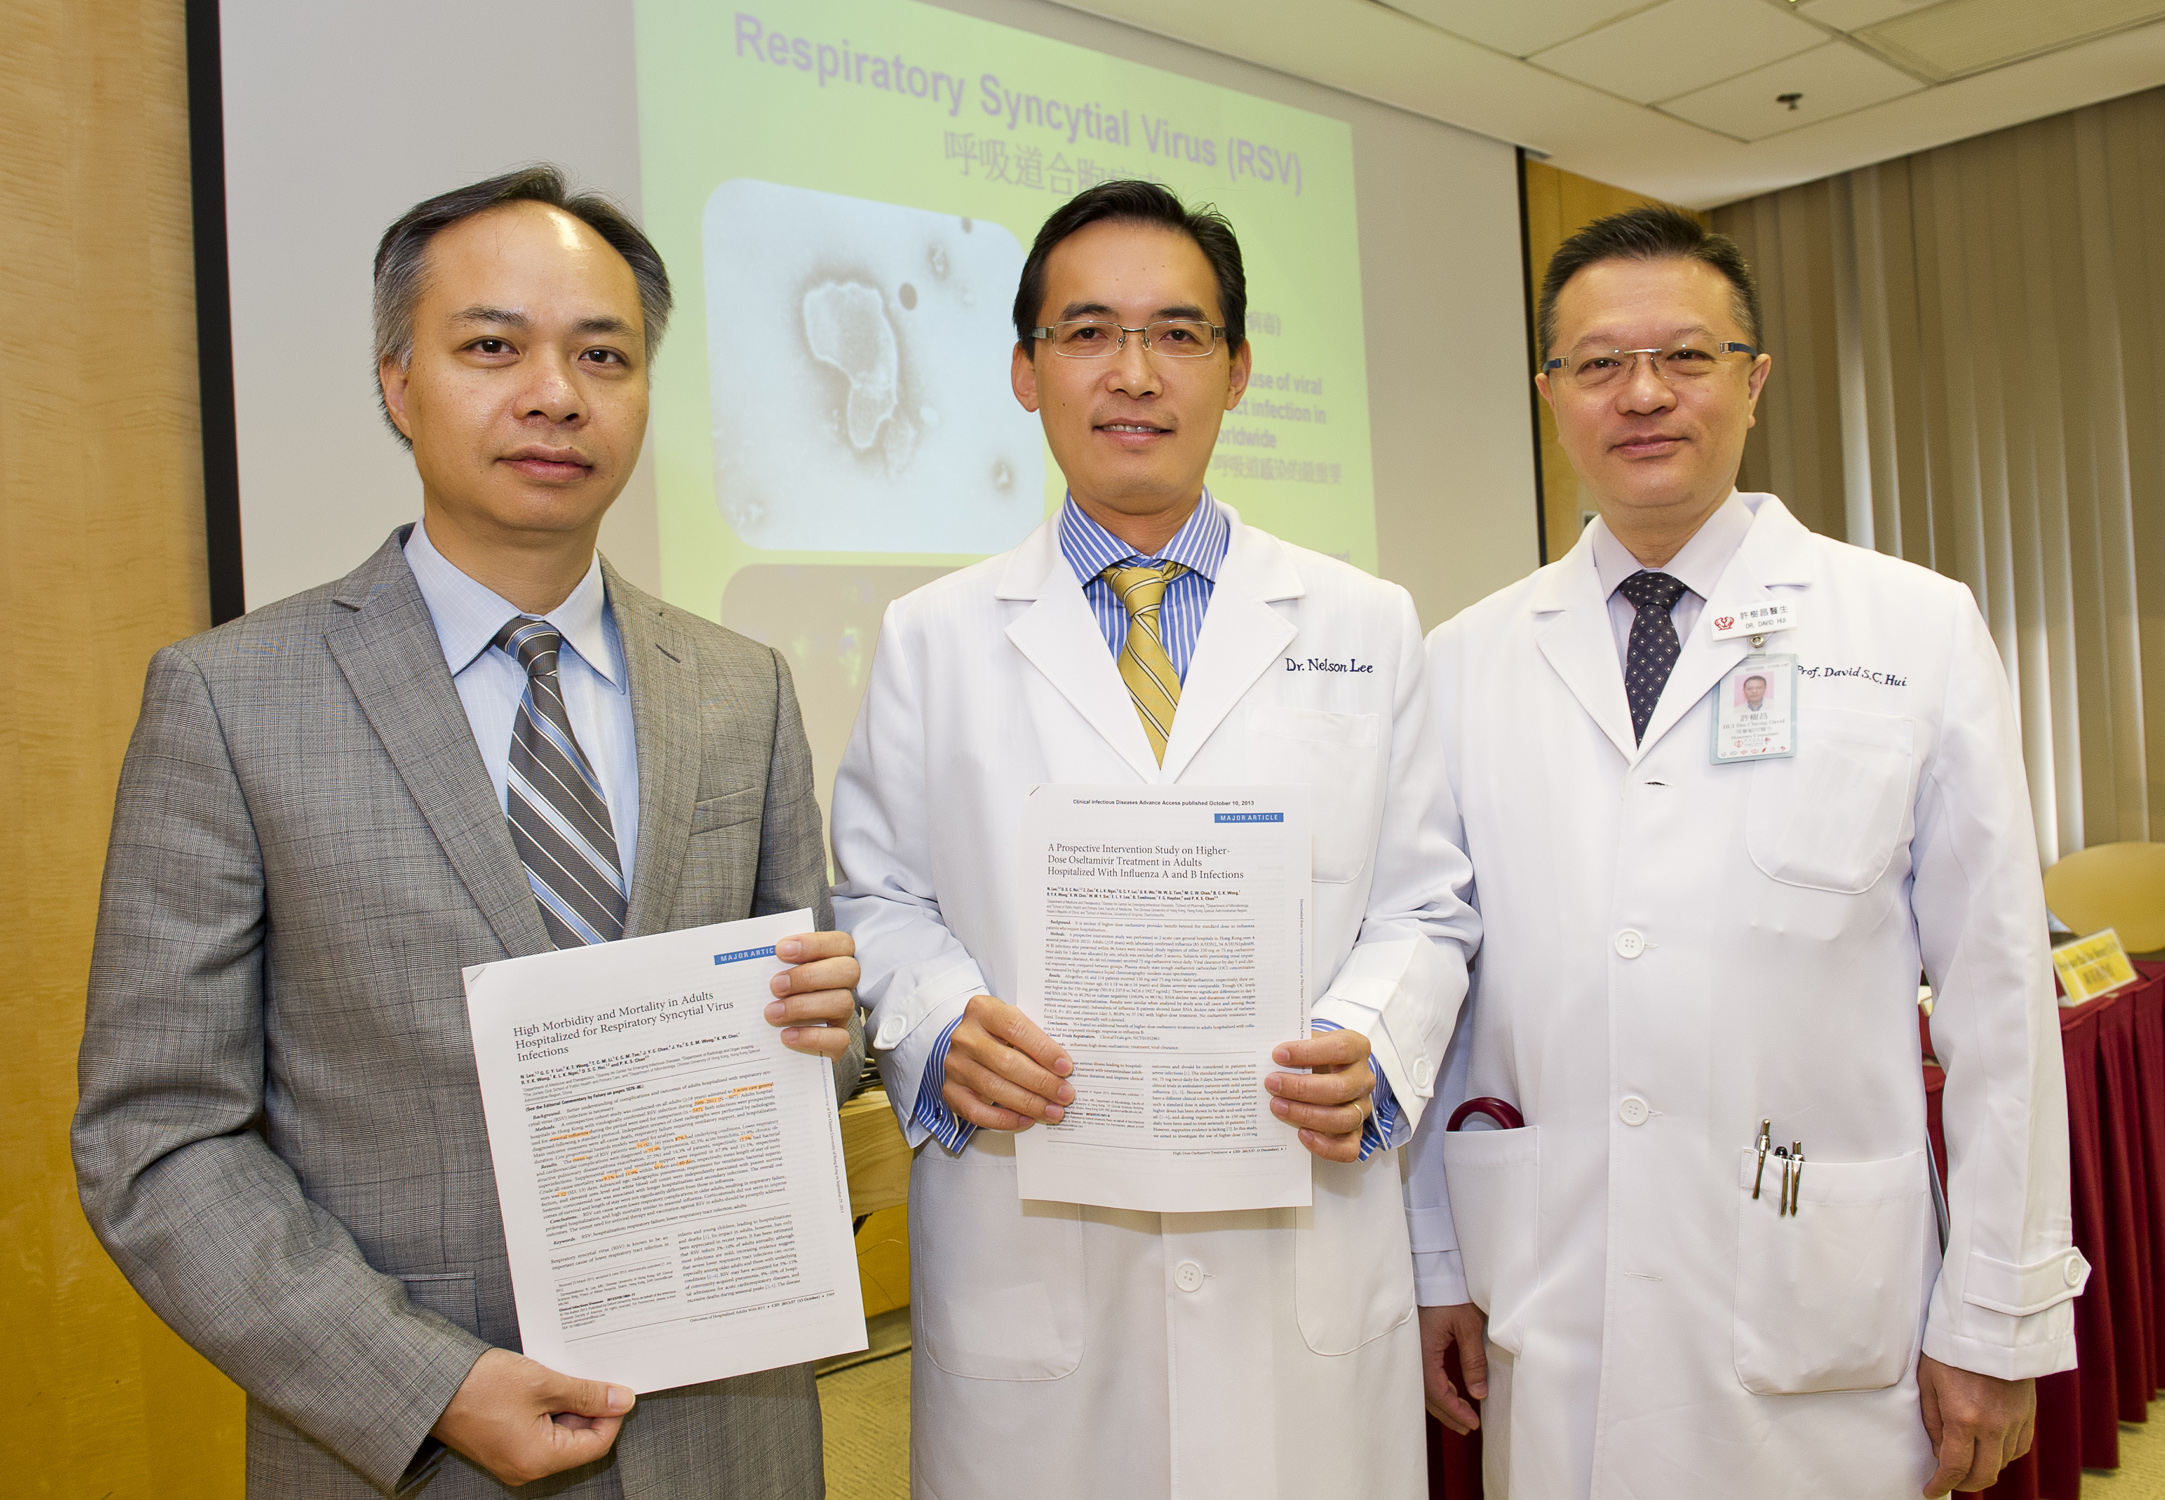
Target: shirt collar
467	614
1199	546
1698	564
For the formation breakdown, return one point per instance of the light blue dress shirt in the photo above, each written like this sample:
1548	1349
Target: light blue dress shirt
1199	546
490	681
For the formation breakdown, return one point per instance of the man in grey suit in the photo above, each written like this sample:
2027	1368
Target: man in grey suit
480	743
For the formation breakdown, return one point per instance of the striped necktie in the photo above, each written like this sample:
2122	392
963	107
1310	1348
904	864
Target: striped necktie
559	819
1144	664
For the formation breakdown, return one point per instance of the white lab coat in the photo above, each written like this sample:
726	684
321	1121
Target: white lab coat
1725	944
1057	1353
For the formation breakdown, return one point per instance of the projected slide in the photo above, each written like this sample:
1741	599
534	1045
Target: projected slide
844	191
855	408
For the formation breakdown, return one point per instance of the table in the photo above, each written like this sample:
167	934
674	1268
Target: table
2113	1052
2113	1049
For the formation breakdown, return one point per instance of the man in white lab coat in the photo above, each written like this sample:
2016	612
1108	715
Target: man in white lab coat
1702	938
1144	634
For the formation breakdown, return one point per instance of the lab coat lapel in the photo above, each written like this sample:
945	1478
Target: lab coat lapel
664	687
1058	635
1773	551
1241	637
1571	625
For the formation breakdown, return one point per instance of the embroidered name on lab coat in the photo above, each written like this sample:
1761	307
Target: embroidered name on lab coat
1325	664
1863	674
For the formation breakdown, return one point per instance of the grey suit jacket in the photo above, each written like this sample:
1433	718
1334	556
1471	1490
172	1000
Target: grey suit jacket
280	1138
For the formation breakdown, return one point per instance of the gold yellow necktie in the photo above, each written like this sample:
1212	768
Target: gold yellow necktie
1144	665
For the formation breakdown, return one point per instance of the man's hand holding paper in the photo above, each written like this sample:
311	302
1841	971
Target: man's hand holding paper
1330	1102
1005	1073
668	1160
521	1420
816	994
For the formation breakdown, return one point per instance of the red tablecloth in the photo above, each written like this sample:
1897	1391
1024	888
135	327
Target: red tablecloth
2113	1050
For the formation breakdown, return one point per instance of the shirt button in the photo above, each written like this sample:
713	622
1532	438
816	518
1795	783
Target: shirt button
1630	943
1632	1110
1189	1277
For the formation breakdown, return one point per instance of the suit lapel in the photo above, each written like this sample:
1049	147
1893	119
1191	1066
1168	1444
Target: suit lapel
1058	635
664	687
1241	636
1572	628
387	649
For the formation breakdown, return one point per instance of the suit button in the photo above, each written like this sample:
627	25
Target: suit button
1632	1110
1630	943
1189	1277
2075	1270
1424	1073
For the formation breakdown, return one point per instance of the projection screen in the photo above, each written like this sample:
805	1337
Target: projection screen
843	191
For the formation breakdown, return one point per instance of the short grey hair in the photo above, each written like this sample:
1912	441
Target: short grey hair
402	254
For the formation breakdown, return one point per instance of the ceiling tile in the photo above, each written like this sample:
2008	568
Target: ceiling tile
1516	26
1848	15
1967	36
1833	80
1679	46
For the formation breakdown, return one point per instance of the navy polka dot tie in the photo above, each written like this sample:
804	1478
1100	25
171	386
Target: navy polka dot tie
1653	648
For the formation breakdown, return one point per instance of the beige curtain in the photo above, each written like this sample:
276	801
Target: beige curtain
1969	373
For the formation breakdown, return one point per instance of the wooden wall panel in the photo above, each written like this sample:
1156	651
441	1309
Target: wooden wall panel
101	562
1558	205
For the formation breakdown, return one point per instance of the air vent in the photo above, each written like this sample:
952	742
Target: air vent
1960	37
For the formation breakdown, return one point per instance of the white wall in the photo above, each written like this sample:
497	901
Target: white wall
338	118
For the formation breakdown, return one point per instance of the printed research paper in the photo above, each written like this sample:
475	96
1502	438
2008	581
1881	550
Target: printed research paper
1166	948
671	1175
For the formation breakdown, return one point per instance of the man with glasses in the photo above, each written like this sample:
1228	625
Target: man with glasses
1145	635
1727	786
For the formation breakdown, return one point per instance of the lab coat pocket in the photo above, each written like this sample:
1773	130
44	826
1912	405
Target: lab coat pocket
1494	1179
1336	756
1831	1298
999	1280
1829	816
1352	1261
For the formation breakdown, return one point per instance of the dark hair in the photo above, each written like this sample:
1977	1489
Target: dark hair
1129	201
402	253
1650	233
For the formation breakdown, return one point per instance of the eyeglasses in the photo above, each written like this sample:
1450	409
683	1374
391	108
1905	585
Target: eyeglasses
1096	338
1679	364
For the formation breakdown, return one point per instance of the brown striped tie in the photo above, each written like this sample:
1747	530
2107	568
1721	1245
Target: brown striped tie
1144	664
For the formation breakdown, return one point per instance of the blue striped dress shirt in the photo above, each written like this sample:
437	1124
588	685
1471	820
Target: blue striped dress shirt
1199	546
1090	549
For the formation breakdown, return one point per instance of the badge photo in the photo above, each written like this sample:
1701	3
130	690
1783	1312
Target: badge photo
1755	710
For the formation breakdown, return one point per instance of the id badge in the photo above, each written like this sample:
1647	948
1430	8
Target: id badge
1755	712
